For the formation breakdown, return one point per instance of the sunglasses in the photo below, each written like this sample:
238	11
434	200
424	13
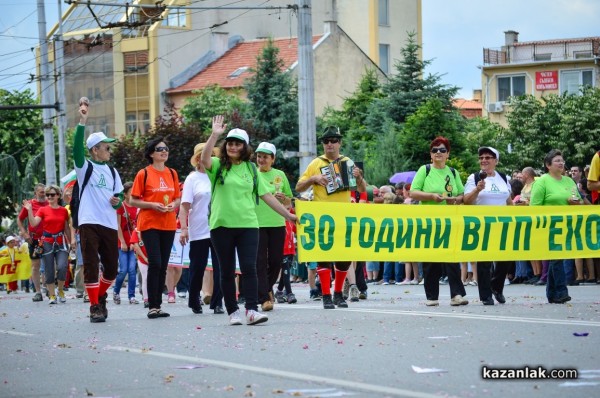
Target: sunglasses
161	149
50	195
330	141
486	157
440	150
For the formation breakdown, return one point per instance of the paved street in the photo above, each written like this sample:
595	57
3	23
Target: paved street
367	350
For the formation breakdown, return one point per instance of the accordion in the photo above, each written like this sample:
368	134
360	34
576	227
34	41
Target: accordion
339	176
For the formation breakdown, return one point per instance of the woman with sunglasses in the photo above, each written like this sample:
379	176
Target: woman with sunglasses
236	187
439	184
555	189
55	233
156	193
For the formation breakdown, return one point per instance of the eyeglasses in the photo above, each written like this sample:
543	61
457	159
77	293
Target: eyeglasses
575	171
161	149
486	157
330	141
440	150
50	195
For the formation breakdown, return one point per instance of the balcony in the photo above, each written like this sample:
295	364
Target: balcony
542	51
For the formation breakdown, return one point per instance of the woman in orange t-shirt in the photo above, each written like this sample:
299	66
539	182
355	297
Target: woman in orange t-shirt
156	192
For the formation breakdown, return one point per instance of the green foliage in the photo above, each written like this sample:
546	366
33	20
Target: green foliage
213	100
273	106
569	122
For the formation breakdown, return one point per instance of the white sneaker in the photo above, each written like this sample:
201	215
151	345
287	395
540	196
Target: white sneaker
404	282
235	318
386	283
181	294
432	303
414	282
255	317
458	300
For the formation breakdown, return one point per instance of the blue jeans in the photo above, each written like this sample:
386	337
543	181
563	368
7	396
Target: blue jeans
127	263
569	266
396	267
556	285
523	269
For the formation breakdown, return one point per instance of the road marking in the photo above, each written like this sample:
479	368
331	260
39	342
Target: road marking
282	373
548	321
15	333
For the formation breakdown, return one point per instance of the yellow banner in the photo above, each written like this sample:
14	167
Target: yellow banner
378	232
17	271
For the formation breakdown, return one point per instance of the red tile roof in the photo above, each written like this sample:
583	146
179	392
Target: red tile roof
462	103
242	55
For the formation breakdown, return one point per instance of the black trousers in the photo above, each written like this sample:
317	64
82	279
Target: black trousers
432	273
198	260
268	262
284	280
217	296
361	284
244	241
158	246
491	278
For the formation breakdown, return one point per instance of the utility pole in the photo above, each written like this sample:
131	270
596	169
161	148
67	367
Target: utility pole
306	86
47	97
59	56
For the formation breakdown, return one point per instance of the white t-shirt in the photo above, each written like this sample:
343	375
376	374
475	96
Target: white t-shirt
95	207
496	191
197	192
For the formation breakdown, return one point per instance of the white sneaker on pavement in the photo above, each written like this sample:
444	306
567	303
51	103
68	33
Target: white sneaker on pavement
458	300
255	317
235	318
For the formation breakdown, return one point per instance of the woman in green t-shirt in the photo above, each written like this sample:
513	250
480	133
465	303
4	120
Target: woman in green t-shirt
554	189
236	188
438	184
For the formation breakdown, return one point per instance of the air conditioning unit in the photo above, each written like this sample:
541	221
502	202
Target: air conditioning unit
495	107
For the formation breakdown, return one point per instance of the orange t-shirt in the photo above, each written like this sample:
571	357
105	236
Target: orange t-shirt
161	187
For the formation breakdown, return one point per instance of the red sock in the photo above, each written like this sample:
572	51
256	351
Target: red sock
325	278
104	285
92	291
338	284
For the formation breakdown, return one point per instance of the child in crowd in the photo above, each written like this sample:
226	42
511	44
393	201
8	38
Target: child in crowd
140	252
289	252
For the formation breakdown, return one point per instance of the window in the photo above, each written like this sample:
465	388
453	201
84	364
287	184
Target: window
384	58
542	57
137	97
384	13
175	18
571	81
510	86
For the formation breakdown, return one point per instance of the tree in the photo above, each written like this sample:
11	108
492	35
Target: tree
273	105
200	108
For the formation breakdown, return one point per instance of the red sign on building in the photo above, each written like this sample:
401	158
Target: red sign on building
547	80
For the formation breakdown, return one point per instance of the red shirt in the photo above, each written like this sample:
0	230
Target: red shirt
36	232
54	221
127	221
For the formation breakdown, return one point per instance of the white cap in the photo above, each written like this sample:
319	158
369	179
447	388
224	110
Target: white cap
238	134
266	147
96	138
10	239
489	149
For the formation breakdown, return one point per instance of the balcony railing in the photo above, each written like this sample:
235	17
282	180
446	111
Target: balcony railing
541	52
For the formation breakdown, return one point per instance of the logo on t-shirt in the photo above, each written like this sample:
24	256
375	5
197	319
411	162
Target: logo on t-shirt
494	188
102	182
163	184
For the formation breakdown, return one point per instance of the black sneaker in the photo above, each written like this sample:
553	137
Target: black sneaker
499	296
37	297
327	302
338	300
102	304
96	314
315	294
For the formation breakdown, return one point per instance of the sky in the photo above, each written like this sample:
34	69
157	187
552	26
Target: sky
454	33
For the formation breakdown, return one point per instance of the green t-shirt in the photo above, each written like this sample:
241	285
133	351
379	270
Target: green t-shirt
440	181
547	191
233	203
268	217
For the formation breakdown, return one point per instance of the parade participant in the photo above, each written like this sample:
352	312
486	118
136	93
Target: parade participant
323	174
554	189
126	216
439	184
33	235
489	187
56	233
236	189
289	253
271	225
10	250
195	202
156	193
100	193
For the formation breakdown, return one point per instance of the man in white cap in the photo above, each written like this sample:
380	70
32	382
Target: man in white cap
100	193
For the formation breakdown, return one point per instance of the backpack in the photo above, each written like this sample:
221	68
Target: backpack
428	169
78	191
477	178
219	178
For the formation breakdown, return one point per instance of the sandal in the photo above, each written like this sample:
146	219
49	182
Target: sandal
153	313
160	313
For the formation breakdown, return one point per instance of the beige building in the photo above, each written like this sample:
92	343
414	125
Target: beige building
538	68
124	59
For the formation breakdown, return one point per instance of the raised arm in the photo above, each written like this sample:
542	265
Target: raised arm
218	128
